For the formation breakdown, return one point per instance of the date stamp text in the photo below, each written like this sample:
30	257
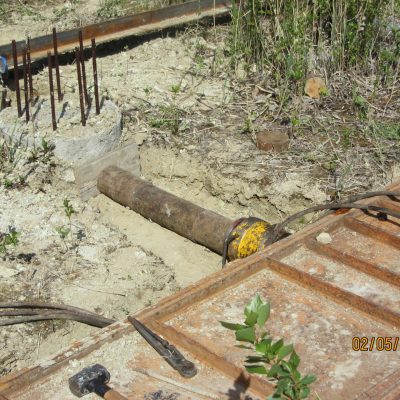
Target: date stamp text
379	343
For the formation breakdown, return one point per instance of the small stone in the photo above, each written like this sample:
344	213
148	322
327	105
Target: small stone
68	176
6	272
315	87
273	140
324	238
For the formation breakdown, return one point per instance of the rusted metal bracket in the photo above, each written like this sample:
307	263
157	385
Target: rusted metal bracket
122	27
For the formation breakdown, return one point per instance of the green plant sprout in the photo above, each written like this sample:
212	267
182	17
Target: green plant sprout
273	358
9	239
64	231
69	210
175	88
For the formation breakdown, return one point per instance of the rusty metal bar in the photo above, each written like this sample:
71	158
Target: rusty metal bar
95	80
187	219
56	64
367	267
28	58
385	389
16	78
243	381
3	99
393	205
78	69
52	103
83	68
27	117
371	231
334	292
121	27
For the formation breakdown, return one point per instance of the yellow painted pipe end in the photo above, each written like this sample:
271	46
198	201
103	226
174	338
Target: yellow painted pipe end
249	237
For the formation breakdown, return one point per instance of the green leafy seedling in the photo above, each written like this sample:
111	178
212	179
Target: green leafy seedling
69	210
10	239
63	232
176	88
8	184
274	359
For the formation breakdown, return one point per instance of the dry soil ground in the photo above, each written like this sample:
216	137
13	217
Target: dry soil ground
188	115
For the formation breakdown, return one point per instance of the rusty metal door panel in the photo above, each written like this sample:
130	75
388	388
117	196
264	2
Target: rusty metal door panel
321	330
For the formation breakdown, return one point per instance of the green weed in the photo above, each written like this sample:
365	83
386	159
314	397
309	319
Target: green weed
111	8
291	38
176	88
8	184
270	357
361	104
9	239
389	131
169	117
64	231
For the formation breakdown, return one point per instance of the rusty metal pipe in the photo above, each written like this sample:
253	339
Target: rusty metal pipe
181	216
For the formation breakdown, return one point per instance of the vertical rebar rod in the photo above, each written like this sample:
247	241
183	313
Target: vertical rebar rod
28	58
16	77
85	91
26	95
3	99
96	85
52	103
78	68
56	64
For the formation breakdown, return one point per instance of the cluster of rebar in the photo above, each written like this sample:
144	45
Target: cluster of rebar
53	62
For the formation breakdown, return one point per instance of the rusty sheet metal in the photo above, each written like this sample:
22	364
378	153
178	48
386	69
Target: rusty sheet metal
121	27
322	295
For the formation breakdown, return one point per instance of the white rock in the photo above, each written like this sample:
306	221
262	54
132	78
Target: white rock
6	272
324	238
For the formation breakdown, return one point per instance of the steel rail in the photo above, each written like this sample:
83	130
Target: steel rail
121	27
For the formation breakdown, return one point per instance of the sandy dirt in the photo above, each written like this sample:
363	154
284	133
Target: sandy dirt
187	116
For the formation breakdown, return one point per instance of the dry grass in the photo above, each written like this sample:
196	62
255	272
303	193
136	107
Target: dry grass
345	147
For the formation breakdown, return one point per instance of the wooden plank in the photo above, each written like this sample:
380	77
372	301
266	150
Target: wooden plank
121	27
126	157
